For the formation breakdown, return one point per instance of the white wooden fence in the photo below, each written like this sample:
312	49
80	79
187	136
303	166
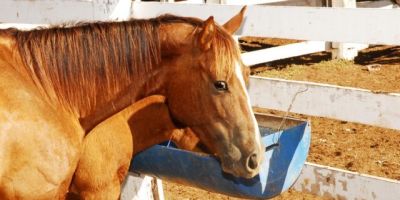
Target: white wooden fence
349	25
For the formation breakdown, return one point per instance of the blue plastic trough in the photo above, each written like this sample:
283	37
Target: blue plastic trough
285	154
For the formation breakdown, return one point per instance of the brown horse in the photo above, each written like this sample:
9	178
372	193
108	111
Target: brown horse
56	84
108	148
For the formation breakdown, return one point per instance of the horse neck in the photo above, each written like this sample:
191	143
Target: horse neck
153	84
156	81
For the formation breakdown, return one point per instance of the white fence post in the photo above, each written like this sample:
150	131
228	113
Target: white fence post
346	51
136	187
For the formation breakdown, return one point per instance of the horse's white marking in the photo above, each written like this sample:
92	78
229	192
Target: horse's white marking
239	75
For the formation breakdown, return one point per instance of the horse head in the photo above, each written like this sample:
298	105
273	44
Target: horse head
207	92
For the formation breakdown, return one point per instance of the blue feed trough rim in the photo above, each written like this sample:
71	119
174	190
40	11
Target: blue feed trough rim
285	155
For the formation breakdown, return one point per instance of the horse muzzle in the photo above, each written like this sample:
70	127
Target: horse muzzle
245	166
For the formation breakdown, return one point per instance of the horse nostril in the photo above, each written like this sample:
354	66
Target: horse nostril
252	162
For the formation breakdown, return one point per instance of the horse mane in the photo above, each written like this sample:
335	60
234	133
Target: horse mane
89	63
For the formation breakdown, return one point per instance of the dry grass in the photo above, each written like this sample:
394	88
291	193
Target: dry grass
343	73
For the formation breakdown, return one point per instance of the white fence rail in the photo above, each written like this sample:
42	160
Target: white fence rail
341	184
302	23
281	52
54	12
342	103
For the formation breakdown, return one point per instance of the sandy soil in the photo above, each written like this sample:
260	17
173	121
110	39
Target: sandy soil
350	146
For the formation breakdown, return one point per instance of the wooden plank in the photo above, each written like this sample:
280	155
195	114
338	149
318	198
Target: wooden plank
269	2
140	187
158	191
336	183
342	103
303	23
347	51
281	52
249	2
120	9
190	2
21	26
309	3
385	4
54	12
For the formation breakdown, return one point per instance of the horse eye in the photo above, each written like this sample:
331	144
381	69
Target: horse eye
221	85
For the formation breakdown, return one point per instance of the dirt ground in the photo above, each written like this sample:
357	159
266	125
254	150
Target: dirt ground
355	147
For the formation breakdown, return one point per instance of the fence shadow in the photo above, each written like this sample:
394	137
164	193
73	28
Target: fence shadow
379	55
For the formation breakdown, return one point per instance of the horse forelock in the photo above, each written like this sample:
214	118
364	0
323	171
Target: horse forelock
86	64
224	49
226	53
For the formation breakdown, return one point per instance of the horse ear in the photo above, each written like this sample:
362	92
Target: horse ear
234	23
207	34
